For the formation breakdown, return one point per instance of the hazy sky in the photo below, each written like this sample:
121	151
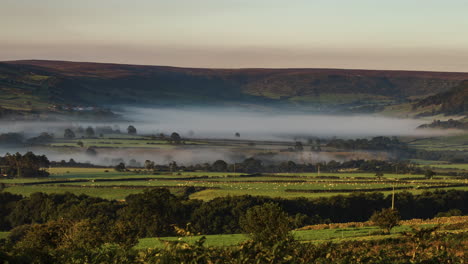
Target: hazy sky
381	34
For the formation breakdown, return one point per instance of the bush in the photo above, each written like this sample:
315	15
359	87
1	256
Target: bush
267	224
386	219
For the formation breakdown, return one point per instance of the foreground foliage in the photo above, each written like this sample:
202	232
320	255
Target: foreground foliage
434	248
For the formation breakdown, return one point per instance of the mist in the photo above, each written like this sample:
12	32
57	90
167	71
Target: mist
263	125
223	123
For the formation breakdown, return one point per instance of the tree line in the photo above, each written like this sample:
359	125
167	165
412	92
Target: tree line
66	228
255	165
155	212
28	165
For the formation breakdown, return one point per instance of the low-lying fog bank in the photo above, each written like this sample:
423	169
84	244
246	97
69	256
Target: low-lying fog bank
222	123
192	156
256	125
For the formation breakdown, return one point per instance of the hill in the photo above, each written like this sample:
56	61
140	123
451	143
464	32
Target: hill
452	102
37	85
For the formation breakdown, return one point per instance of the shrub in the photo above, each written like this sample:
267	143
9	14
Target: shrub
386	219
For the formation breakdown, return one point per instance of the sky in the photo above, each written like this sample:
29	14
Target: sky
370	34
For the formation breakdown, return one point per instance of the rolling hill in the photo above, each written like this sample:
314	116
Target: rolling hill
452	102
37	85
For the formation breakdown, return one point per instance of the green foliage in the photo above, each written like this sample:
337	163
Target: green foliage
154	212
219	165
386	219
24	166
120	167
266	224
69	134
429	174
451	212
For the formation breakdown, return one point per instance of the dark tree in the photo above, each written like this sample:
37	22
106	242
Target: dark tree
43	138
379	174
429	174
11	139
267	224
69	134
89	132
298	146
175	138
27	165
120	167
91	152
252	165
237	134
131	130
219	165
149	165
386	219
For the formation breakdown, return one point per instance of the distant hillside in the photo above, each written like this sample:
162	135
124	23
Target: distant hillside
452	102
39	85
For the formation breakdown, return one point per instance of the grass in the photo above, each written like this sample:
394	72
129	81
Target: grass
106	193
119	141
449	143
315	236
211	240
118	185
325	98
4	235
451	166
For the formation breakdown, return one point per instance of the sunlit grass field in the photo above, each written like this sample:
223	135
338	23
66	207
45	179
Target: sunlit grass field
108	141
3	235
110	184
314	236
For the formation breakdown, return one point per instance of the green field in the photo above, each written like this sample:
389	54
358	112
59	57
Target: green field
119	141
457	142
451	166
3	235
314	236
110	184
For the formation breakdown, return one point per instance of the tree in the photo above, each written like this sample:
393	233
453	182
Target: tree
27	165
91	152
252	165
429	174
237	134
173	166
386	219
220	165
120	167
298	146
379	174
80	143
43	138
175	138
89	132
267	224
69	134
149	165
131	130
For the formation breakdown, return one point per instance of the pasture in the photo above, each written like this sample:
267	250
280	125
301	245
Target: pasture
319	233
110	184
